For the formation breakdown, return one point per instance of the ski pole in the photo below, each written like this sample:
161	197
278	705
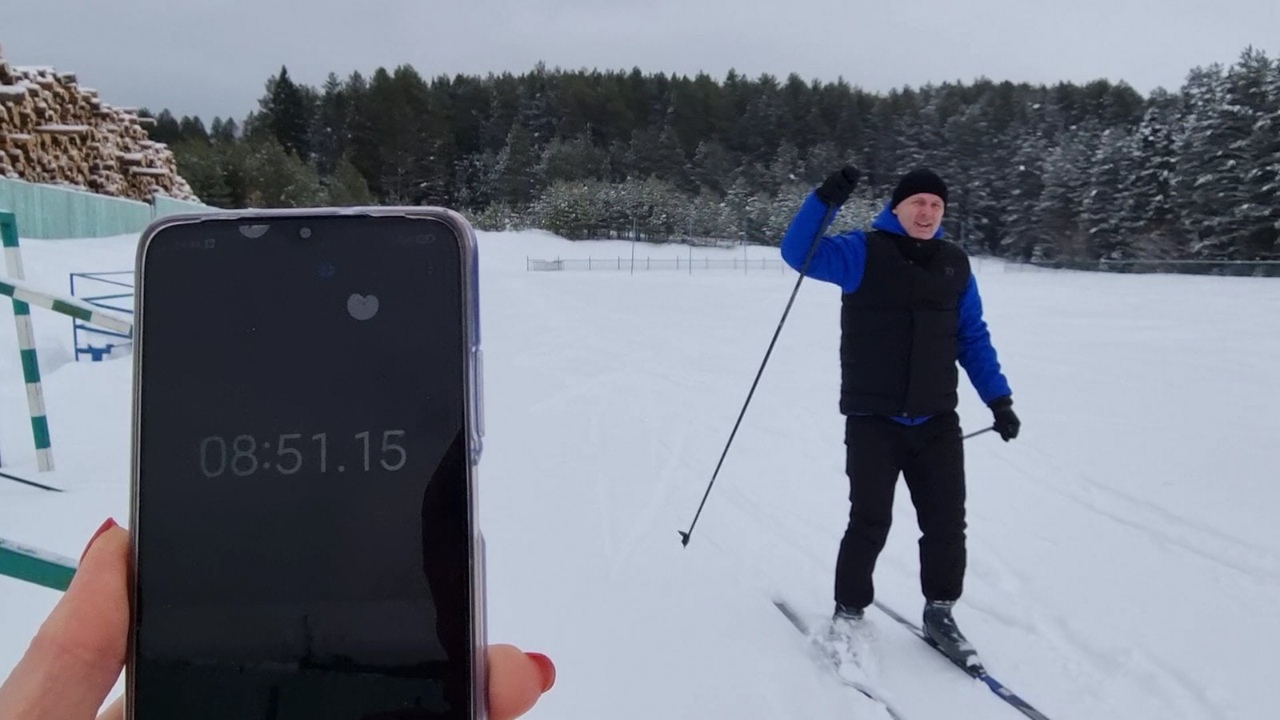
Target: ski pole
813	248
979	432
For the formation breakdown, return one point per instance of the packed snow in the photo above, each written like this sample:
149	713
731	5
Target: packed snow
1124	556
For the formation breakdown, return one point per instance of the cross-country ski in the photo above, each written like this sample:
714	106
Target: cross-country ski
968	662
822	649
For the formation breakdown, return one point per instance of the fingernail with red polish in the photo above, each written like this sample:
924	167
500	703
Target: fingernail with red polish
547	667
110	523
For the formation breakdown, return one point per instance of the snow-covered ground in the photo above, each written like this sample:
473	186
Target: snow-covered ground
1124	556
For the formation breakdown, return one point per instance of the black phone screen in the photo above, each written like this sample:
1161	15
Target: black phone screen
302	503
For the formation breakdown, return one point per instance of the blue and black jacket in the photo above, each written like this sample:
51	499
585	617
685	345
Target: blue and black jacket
904	324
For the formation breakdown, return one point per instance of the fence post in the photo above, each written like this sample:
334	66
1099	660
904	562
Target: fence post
36	566
27	346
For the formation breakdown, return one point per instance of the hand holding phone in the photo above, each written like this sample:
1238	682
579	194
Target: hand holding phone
92	619
307	425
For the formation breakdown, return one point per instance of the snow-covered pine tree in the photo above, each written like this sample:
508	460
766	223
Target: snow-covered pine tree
1149	215
1022	201
1212	163
712	165
822	160
786	169
1058	234
1107	195
514	175
575	158
1260	215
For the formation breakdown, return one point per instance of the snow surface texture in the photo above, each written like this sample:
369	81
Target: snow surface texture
1124	557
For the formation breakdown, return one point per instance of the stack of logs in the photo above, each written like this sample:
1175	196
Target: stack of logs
53	131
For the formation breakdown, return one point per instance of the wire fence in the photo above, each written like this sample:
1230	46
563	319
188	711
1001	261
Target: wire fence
1229	268
650	264
776	266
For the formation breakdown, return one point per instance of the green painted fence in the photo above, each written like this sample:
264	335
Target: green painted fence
48	212
169	206
36	566
51	212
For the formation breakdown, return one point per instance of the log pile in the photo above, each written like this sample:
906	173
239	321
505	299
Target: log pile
55	132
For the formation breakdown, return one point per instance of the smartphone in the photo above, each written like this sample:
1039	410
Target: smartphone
307	426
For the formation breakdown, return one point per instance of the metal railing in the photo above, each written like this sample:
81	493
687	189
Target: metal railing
118	297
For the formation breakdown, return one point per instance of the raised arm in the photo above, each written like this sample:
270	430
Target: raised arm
837	259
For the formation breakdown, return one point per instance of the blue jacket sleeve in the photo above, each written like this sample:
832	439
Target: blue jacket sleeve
838	259
977	355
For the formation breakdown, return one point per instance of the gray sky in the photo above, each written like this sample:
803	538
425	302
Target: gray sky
212	57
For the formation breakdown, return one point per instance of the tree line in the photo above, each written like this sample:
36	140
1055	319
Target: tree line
1051	174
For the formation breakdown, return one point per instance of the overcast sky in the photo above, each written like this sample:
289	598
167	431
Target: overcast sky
212	57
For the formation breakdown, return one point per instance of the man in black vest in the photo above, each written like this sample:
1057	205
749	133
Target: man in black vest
911	311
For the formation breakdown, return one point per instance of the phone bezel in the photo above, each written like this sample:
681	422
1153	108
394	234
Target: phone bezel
465	235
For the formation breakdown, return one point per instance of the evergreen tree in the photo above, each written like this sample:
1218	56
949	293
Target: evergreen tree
1022	206
571	159
1059	233
287	110
278	178
821	160
166	130
330	135
712	166
1149	215
204	169
1107	195
1208	173
514	178
1259	216
347	187
223	131
1063	172
190	128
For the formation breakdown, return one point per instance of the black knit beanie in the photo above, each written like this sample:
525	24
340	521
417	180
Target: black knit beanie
920	180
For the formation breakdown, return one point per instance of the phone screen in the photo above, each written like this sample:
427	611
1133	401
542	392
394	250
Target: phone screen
302	517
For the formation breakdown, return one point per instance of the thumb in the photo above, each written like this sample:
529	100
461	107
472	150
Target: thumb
517	680
78	653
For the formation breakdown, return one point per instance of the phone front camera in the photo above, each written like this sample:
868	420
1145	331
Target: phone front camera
305	233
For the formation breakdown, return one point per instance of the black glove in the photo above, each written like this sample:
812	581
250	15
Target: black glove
838	186
1007	423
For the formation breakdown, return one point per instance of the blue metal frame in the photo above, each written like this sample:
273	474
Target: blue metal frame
106	302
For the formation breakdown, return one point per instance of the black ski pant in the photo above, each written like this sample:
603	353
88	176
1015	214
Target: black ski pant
930	457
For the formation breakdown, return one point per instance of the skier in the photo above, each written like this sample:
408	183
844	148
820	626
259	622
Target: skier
911	310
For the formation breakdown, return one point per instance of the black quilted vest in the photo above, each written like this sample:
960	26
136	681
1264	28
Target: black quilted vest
898	340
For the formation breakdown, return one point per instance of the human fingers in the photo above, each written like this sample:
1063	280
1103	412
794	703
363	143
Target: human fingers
78	653
517	680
